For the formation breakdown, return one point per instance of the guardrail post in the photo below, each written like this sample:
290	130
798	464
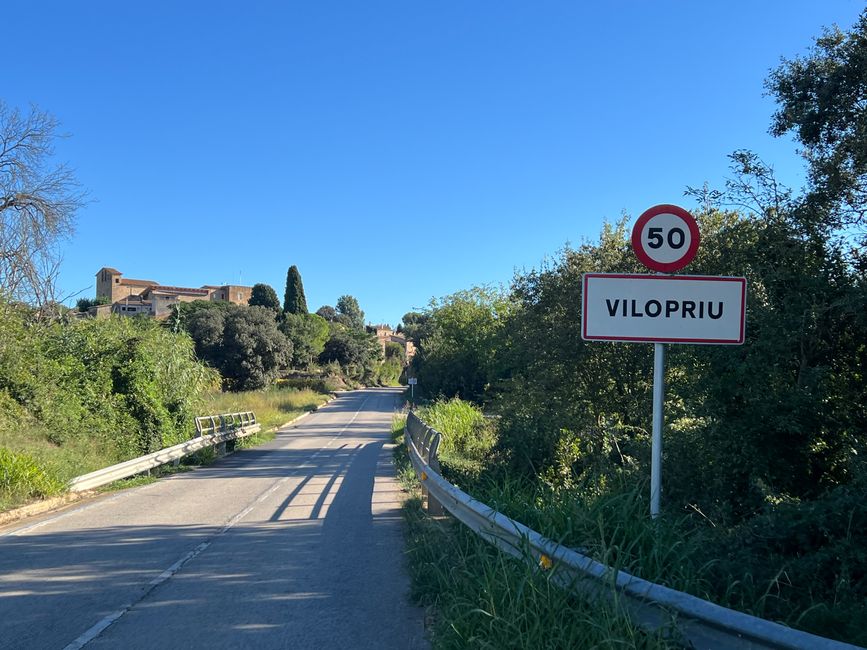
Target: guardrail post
421	443
434	507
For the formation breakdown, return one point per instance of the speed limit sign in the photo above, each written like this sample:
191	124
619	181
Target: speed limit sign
665	238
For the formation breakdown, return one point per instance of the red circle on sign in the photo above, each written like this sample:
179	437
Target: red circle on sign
642	254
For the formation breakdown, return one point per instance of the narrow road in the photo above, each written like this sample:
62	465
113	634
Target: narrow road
294	544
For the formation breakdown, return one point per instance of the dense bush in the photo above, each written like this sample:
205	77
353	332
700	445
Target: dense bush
810	557
780	417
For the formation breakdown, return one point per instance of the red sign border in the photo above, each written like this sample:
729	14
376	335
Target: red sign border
649	339
649	262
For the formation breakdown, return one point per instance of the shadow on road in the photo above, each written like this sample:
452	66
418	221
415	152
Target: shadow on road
318	565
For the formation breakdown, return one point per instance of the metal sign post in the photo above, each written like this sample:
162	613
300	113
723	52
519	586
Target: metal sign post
663	308
656	435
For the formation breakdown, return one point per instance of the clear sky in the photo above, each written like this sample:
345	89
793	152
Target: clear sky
395	151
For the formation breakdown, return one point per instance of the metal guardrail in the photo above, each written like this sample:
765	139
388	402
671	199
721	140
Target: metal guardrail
701	624
207	424
221	429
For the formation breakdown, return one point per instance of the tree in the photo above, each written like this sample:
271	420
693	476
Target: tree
308	334
348	308
183	312
412	324
242	342
821	100
395	351
205	327
327	312
38	202
357	352
294	301
458	343
84	304
263	295
254	351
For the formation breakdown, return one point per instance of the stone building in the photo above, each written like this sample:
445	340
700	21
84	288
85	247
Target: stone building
384	334
130	297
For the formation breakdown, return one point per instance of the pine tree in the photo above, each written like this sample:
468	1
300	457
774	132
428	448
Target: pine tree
294	301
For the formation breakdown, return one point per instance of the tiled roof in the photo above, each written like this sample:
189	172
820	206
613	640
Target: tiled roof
188	290
110	270
132	300
138	283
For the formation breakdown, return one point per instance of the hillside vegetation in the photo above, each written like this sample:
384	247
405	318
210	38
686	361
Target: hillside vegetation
79	395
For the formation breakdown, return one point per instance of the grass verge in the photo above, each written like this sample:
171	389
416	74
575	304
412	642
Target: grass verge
478	597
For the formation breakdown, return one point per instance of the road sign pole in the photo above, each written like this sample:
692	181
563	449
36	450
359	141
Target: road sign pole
656	441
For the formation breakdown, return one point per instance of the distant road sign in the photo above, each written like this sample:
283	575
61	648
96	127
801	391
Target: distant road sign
663	308
665	238
412	381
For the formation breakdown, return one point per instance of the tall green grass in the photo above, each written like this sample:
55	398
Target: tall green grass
21	479
467	436
776	567
485	599
33	466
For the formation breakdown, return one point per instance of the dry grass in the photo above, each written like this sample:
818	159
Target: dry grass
273	406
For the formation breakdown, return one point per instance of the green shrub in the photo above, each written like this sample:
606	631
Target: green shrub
389	371
810	558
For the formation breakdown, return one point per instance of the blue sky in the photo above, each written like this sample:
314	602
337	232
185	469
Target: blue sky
395	151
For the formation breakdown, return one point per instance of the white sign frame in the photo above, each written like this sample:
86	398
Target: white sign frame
667	289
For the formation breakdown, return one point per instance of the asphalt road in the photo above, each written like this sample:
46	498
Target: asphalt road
295	544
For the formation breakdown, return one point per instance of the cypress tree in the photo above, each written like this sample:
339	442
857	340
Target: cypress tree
294	301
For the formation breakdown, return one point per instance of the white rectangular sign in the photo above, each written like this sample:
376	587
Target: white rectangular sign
412	381
663	308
